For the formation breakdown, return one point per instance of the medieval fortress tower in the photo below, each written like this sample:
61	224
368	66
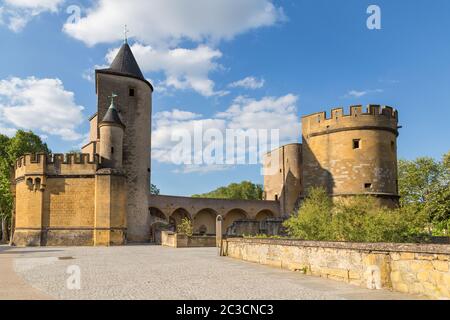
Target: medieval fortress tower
347	154
102	196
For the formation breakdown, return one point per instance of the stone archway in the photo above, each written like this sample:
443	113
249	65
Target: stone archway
158	223
177	216
204	222
232	216
155	231
157	214
264	215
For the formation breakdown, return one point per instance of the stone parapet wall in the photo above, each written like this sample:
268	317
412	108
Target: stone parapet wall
176	240
420	269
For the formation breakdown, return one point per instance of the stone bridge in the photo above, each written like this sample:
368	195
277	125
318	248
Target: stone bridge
203	212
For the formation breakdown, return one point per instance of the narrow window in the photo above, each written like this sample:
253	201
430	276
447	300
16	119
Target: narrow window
276	197
368	186
393	145
131	92
356	143
112	149
30	183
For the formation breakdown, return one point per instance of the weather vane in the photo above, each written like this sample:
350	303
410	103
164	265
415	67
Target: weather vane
125	32
112	96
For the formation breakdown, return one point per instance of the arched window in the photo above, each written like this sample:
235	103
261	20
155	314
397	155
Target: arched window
37	183
30	183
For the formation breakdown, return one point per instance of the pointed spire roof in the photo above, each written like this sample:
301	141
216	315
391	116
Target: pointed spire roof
124	64
111	115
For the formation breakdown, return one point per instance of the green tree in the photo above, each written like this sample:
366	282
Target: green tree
417	179
25	142
154	189
424	186
5	191
6	204
245	190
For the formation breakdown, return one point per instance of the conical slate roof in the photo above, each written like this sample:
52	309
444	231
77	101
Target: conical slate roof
125	64
112	116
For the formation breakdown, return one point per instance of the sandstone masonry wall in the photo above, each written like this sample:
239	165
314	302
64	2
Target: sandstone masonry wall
176	240
408	268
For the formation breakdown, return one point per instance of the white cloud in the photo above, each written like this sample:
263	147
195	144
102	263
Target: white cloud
17	13
389	81
89	74
42	105
8	131
160	22
244	114
176	122
248	83
267	113
2	11
183	68
159	26
359	94
37	6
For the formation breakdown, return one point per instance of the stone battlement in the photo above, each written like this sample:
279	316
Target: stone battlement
371	116
55	164
374	110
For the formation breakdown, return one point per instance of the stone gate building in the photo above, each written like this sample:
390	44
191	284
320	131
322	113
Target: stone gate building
102	196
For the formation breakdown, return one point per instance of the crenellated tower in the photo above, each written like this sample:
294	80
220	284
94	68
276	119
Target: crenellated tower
352	154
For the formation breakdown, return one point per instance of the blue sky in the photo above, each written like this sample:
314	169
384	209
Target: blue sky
300	57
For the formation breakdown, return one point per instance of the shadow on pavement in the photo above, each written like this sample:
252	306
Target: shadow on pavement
5	248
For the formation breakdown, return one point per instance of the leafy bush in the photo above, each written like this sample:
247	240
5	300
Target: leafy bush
185	227
314	218
358	219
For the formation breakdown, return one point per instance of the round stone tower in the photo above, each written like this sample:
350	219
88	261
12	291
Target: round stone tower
282	176
111	141
354	154
134	105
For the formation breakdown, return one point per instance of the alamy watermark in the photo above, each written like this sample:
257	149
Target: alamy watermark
74	13
374	20
73	282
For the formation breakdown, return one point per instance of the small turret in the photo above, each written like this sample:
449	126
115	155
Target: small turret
111	138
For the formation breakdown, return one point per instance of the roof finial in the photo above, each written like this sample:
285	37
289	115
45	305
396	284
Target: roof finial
125	33
113	95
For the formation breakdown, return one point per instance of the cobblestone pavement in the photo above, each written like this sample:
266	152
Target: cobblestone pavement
154	272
